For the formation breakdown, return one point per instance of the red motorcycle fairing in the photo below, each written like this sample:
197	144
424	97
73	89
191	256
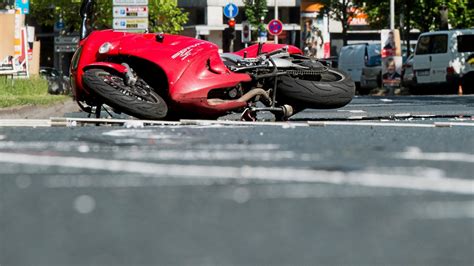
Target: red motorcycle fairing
252	51
193	67
203	74
86	55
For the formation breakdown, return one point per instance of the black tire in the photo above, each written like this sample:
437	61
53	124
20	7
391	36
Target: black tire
105	85
334	89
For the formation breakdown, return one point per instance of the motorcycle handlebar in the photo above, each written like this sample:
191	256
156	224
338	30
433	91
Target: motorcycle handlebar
277	51
86	14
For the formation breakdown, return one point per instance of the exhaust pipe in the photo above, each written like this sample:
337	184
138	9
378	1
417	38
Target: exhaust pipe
245	98
253	93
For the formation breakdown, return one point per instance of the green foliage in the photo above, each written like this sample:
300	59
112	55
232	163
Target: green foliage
254	11
27	91
461	13
422	14
47	12
164	15
373	12
339	10
102	17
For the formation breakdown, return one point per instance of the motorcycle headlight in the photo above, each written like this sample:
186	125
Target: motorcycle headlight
105	48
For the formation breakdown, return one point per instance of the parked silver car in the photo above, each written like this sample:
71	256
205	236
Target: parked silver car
372	71
356	59
408	76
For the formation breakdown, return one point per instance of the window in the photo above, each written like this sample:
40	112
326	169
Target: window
423	46
465	43
439	44
432	44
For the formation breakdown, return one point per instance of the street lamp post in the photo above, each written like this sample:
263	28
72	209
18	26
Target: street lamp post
276	17
392	14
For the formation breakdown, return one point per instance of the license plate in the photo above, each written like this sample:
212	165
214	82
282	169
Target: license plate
423	72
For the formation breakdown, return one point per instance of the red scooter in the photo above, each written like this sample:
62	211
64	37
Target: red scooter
162	76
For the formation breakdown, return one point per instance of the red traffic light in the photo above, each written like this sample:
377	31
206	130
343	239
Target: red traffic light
231	23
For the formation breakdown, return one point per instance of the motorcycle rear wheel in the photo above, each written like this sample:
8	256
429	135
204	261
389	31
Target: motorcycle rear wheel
138	100
334	89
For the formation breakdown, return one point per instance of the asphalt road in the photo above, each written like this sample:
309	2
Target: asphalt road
382	181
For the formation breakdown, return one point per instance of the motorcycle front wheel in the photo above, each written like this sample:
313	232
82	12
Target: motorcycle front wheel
138	100
330	89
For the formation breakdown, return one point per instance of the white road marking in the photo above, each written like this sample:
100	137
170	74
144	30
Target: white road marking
305	191
415	153
352	111
218	155
240	123
245	147
356	117
286	174
25	123
71	122
388	124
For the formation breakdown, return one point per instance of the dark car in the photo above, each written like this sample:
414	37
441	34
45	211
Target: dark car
57	83
408	77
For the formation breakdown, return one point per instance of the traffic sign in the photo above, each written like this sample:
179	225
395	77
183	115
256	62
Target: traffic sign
59	25
231	10
130	15
275	27
130	2
68	39
66	44
130	23
65	48
246	32
130	11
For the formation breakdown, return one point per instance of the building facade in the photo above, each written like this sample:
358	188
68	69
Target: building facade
207	20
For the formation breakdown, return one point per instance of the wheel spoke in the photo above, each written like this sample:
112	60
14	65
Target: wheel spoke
141	91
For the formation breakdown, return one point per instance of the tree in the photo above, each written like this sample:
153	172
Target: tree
255	10
425	15
47	12
461	13
164	15
378	14
340	10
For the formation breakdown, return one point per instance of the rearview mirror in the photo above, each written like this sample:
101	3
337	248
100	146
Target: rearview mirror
86	15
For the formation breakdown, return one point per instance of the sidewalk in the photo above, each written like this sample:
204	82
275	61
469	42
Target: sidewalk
39	111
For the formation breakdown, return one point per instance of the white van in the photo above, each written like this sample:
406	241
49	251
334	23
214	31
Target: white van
354	58
445	58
